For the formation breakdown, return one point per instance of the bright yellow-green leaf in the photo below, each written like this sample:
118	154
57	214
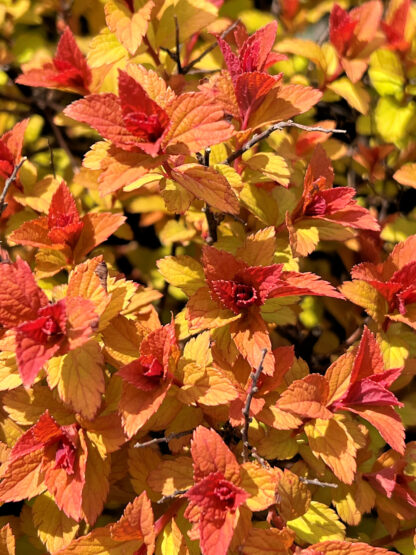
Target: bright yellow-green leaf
183	272
386	72
354	93
319	523
394	121
55	529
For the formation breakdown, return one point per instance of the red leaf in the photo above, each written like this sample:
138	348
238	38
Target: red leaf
63	218
20	297
341	28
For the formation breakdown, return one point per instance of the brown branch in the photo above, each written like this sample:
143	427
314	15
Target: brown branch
8	182
276	127
246	410
165	439
210	48
176	493
316	482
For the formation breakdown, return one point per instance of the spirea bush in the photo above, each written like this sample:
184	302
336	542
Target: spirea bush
208	277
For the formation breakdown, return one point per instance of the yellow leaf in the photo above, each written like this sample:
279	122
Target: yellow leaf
355	94
351	502
171	475
141	462
54	528
171	540
183	272
100	542
105	49
386	72
261	484
121	341
198	349
7	541
193	16
362	293
329	440
9	373
393	121
266	166
79	378
206	386
319	523
277	444
259	248
25	406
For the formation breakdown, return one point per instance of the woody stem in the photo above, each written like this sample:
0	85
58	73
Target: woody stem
246	410
276	127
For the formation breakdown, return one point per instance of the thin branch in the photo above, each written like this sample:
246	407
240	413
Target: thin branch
61	140
246	410
316	482
52	159
210	48
9	182
276	127
165	439
176	493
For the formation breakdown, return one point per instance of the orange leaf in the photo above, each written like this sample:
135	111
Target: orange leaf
251	337
307	397
196	121
137	522
128	21
210	455
406	175
7	541
269	541
98	226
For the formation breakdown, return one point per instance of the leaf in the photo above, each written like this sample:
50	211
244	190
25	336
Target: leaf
121	341
22	478
197	122
138	406
7	540
97	228
100	542
210	455
260	483
284	103
206	386
355	94
362	293
318	523
347	548
293	496
203	313
20	297
171	475
386	72
387	422
269	167
406	175
183	272
268	541
208	185
329	440
128	21
79	377
259	248
137	522
307	397
97	483
54	528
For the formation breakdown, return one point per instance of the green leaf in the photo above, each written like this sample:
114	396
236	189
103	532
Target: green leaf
386	72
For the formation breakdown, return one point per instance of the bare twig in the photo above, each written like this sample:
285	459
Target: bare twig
316	482
61	140
176	493
9	182
246	410
276	127
165	439
210	48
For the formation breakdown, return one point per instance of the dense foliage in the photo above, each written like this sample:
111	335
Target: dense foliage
208	277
